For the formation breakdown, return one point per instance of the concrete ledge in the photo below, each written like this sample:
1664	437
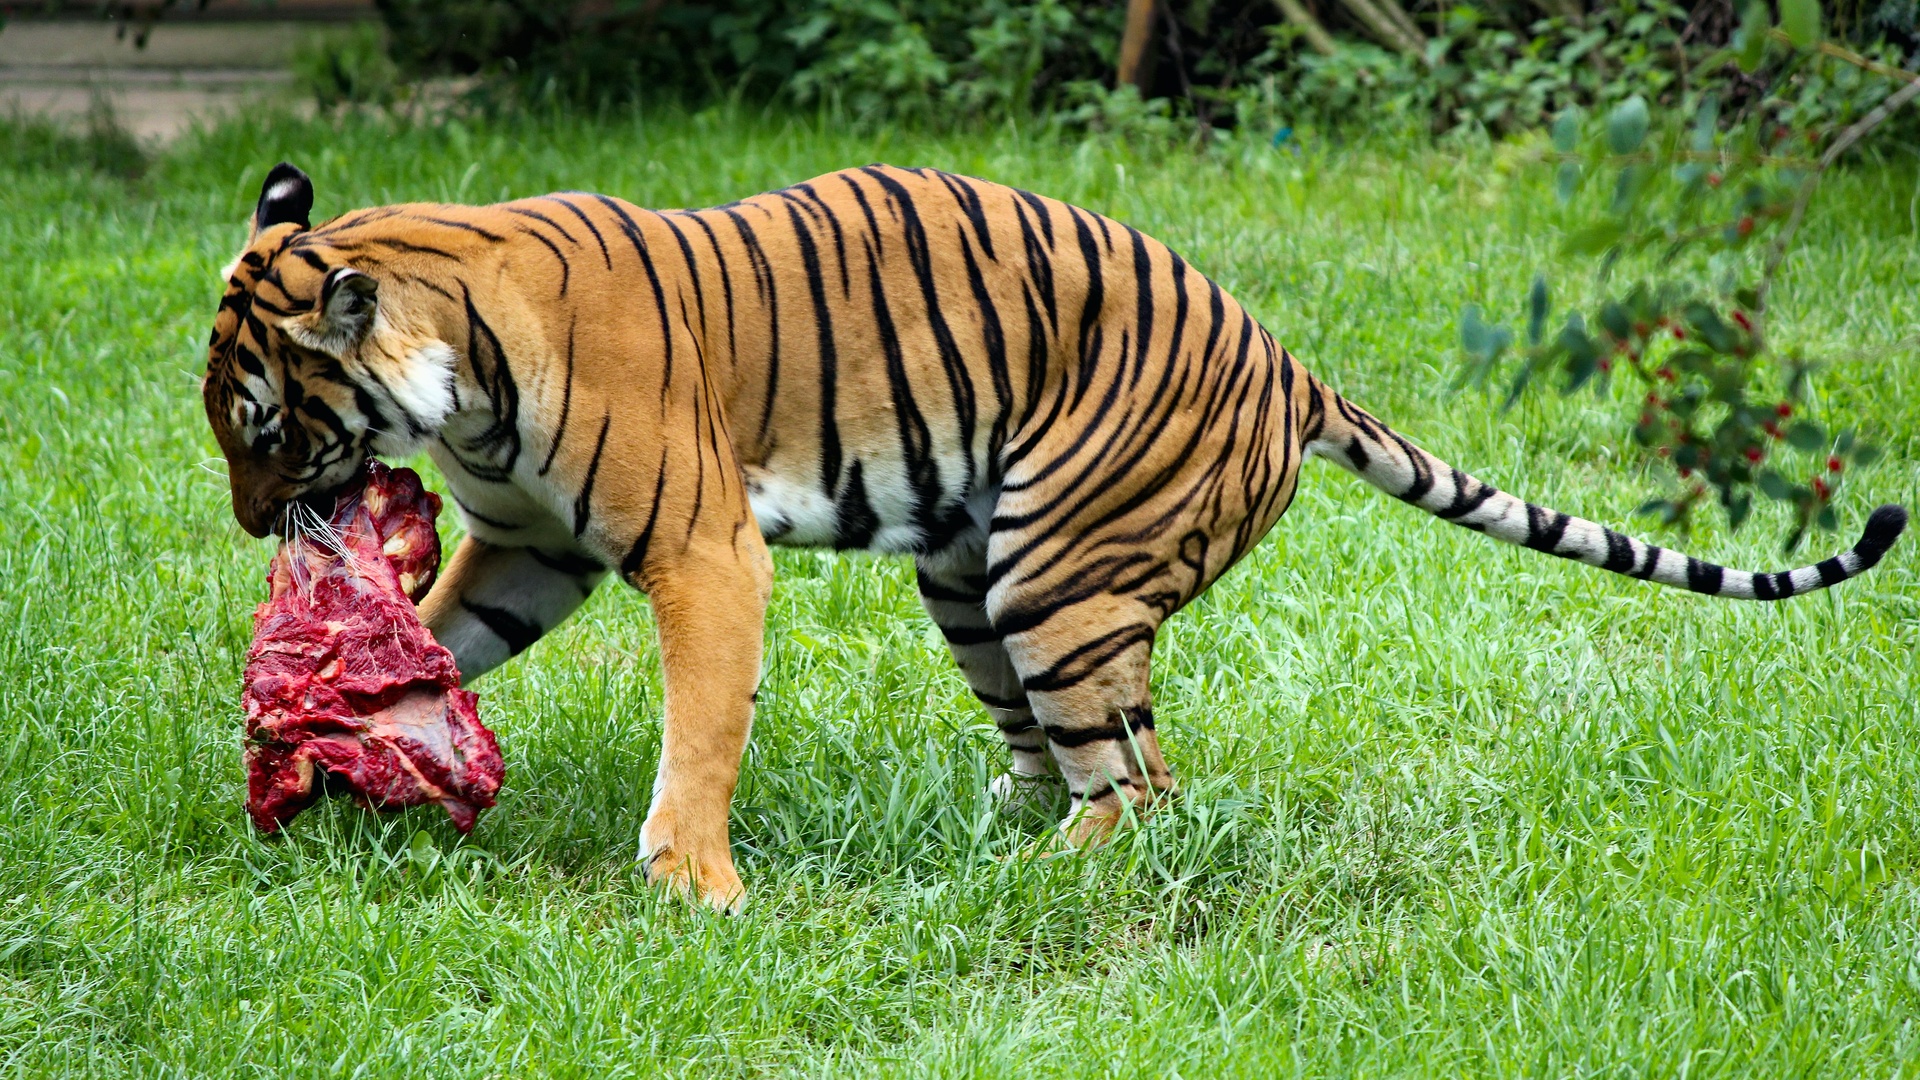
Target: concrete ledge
26	45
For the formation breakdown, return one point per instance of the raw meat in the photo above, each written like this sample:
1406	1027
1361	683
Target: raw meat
345	690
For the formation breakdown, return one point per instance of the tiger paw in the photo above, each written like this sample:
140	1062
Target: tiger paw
1015	793
706	877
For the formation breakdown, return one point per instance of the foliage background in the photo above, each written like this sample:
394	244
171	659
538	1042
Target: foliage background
1488	65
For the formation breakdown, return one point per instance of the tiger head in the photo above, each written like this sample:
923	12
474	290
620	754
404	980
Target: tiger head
306	375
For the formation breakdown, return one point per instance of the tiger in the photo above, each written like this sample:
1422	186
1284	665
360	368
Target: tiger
1071	431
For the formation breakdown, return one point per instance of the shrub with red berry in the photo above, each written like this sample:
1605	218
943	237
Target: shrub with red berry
1688	208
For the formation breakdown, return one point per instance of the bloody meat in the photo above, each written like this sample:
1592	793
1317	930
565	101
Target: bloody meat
345	691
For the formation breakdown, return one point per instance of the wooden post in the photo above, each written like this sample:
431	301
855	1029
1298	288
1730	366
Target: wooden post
1135	70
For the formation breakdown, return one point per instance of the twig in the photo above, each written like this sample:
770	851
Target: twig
1840	146
1310	28
1385	29
1828	48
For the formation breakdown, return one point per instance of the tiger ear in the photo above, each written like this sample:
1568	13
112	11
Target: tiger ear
286	195
343	316
347	303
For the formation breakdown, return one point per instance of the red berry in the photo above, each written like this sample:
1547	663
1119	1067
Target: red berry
1741	318
1784	409
1679	334
1834	464
1606	364
1754	454
1639	329
1713	179
1820	489
1653	398
1666	373
1745	227
1772	429
1663	451
1685	472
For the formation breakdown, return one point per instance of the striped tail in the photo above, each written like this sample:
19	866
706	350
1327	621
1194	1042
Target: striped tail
1345	434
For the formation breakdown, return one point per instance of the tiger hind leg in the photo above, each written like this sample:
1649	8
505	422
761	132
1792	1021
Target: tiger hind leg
1085	670
953	589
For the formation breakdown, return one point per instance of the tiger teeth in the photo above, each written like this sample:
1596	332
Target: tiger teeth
395	545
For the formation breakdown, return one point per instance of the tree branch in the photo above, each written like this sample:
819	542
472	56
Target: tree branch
1310	28
1840	146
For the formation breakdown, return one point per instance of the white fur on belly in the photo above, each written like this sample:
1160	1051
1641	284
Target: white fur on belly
790	513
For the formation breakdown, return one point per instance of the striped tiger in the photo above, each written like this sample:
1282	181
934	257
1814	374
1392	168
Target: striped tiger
1071	431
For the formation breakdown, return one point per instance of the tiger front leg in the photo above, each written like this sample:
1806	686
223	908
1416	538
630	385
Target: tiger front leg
710	606
492	601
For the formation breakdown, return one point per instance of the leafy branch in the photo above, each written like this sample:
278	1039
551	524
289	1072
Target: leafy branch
1722	408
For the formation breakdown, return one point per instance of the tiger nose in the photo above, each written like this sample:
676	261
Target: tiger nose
256	516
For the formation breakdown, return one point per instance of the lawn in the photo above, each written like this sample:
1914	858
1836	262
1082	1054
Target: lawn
1451	808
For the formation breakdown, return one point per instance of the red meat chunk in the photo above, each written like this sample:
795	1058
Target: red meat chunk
345	690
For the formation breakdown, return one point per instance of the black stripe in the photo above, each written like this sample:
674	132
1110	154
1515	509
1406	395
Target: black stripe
518	633
1704	577
1619	553
569	563
854	521
491	237
484	519
566	269
1763	587
605	255
566	399
538	216
969	635
1831	571
1068	738
1645	571
637	554
1076	666
829	364
583	506
1543	532
1008	703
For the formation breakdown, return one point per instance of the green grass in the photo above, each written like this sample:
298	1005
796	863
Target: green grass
1452	808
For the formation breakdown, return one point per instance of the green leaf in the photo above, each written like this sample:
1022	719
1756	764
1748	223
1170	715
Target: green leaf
1827	520
1654	506
1537	310
1615	320
1807	435
1775	486
1705	123
1566	181
1566	131
1738	508
1801	21
1843	442
1626	190
1627	125
1475	335
1593	239
1865	454
1710	328
1750	43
